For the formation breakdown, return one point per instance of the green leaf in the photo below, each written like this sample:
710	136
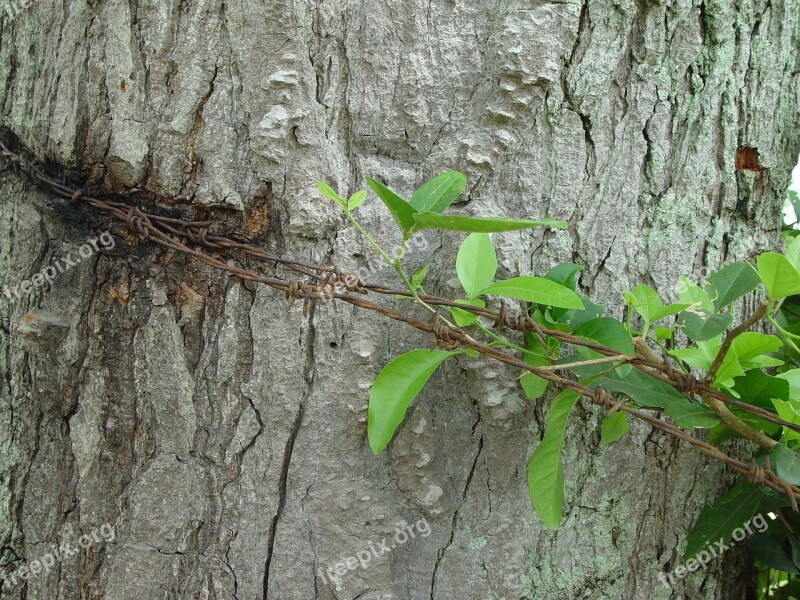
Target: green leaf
701	329
649	392
692	294
701	357
401	210
565	274
731	282
329	193
779	276
691	415
537	290
431	220
644	390
773	550
786	464
476	263
792	252
669	310
759	389
463	317
419	276
718	522
788	411
545	473
644	300
439	193
663	333
792	377
607	332
394	389
694	357
534	386
745	352
356	200
576	318
613	428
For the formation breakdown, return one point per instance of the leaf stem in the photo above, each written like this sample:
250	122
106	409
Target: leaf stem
789	336
585	363
506	343
368	237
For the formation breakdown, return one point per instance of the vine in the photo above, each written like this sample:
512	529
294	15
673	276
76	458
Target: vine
679	367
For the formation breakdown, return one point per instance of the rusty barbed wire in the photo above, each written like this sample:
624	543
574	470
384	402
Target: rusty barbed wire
330	283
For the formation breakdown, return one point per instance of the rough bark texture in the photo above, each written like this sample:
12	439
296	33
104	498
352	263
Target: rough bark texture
223	436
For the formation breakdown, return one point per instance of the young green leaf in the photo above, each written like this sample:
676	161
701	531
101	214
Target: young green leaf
537	290
430	220
330	194
534	386
792	253
613	428
792	378
476	263
545	473
644	300
663	333
731	282
746	352
394	389
439	193
779	276
565	274
419	276
695	297
701	357
356	200
401	210
463	317
718	522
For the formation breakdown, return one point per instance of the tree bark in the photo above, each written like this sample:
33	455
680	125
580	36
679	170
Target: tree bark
222	435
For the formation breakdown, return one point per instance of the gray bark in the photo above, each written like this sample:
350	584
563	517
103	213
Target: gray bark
222	435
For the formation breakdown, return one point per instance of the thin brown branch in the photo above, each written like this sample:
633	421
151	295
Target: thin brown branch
757	315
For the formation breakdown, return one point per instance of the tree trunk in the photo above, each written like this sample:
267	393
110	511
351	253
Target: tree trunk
221	435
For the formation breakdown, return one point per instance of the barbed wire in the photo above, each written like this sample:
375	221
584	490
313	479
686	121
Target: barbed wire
328	282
